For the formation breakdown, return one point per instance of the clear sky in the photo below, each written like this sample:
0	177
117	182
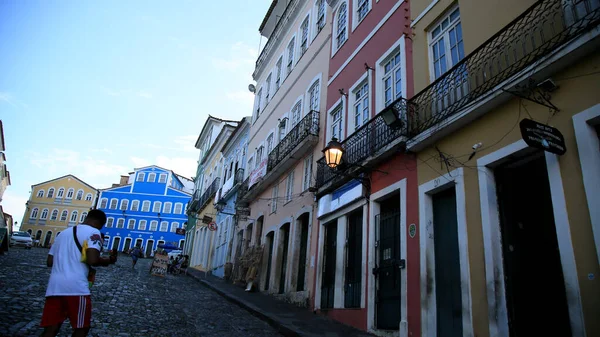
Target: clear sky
96	88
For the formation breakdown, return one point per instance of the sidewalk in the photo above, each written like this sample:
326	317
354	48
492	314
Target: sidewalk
289	319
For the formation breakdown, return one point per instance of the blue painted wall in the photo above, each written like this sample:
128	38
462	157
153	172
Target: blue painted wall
155	193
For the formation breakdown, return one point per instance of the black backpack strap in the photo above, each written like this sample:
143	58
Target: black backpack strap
75	238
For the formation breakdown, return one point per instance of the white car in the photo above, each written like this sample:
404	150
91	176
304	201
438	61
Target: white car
174	253
21	239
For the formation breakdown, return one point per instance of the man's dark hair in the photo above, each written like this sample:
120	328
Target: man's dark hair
97	216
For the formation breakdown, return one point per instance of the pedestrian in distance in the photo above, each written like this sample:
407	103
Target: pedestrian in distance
71	258
135	253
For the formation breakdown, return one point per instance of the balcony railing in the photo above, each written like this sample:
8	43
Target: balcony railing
243	190
309	125
209	193
195	201
538	31
534	34
274	35
239	176
367	141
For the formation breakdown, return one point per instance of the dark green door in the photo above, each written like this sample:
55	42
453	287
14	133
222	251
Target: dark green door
447	265
270	238
285	232
388	266
303	250
329	256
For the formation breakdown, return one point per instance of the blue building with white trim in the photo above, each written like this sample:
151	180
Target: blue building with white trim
145	209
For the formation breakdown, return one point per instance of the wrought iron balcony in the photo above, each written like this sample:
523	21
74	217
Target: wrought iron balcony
309	125
296	144
242	191
209	193
367	144
239	177
194	203
537	32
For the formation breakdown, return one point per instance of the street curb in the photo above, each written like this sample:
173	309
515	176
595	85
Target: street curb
281	328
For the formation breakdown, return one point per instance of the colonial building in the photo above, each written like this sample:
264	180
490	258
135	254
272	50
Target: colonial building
210	131
55	205
287	122
208	182
145	209
368	196
4	173
225	247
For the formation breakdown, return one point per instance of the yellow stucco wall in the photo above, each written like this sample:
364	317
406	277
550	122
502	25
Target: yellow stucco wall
55	203
498	129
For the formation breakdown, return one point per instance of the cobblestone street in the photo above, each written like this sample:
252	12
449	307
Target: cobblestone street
126	302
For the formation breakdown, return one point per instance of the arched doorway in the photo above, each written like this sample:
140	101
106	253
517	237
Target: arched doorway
149	247
29	231
48	238
181	243
127	244
284	243
259	229
139	242
116	243
269	241
302	237
38	235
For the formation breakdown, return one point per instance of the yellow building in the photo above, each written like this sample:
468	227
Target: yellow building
509	225
55	205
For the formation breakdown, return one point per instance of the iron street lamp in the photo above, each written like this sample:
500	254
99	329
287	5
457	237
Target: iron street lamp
333	153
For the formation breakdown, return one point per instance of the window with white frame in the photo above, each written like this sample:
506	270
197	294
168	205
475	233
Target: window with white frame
164	226
174	226
110	222
336	122
269	144
446	43
392	78
296	113
157	206
113	203
135	205
178	207
153	225
361	105
50	192
258	104
304	36
306	179
120	223
320	15
142	225
124	204
103	203
162	178
141	176
83	216
362	9
278	73
44	215
250	164
341	32
61	192
289	187
79	195
146	206
167	207
131	224
313	96
268	88
40	194
274	196
70	193
259	154
290	56
281	132
151	177
88	197
64	215
74	216
54	215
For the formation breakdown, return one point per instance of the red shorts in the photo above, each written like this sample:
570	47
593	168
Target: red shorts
78	309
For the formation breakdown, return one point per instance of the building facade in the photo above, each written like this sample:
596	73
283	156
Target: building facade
501	204
145	209
287	123
202	207
210	131
234	162
366	201
4	173
55	205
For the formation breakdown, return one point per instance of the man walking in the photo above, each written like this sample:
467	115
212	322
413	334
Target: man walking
135	254
68	293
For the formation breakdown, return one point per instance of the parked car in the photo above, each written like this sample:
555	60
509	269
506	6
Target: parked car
21	239
174	253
